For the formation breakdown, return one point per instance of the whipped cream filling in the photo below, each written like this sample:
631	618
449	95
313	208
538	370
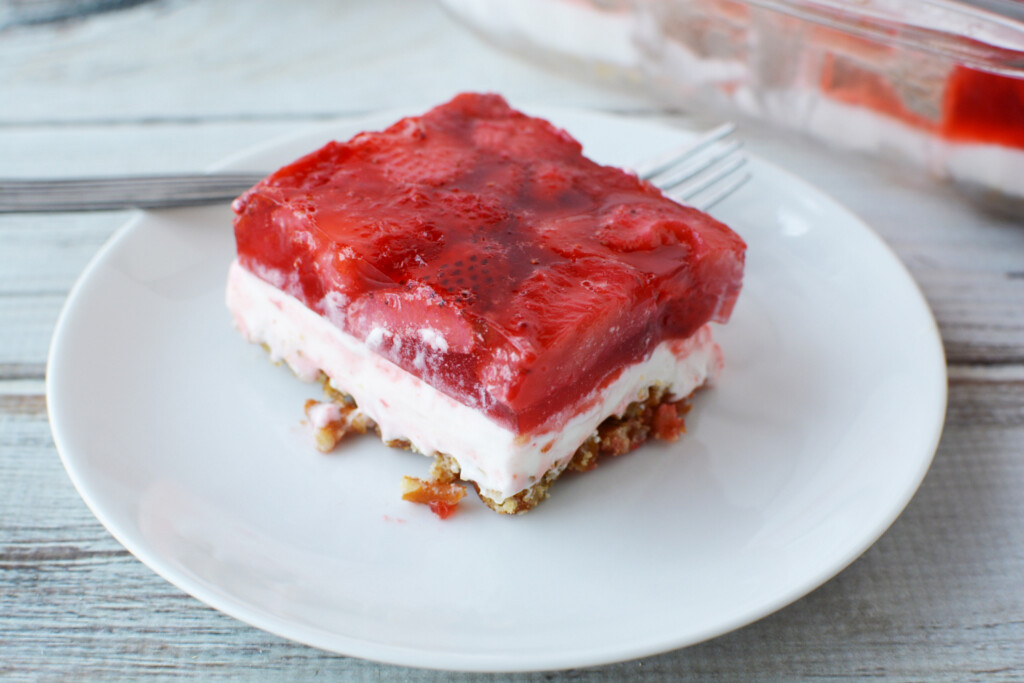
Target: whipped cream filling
500	461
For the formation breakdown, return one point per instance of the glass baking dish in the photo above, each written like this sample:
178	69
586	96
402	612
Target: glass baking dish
935	82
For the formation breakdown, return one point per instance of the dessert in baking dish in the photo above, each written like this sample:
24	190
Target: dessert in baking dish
472	287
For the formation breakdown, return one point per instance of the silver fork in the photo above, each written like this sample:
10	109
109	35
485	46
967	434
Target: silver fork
700	173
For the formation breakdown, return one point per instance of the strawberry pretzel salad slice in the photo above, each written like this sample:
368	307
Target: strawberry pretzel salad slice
470	286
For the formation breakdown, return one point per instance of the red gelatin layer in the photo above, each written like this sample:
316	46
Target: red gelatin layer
478	249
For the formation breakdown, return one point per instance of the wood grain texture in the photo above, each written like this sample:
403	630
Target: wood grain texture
30	12
939	597
258	69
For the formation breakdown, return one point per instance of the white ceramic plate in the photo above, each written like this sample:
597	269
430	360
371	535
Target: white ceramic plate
187	445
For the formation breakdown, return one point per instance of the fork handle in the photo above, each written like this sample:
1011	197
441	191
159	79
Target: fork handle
105	193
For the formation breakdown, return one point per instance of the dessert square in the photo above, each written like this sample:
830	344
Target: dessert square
472	287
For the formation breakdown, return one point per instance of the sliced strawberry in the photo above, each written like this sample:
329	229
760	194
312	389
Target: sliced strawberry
566	318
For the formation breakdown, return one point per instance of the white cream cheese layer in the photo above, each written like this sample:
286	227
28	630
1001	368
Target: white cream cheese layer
500	461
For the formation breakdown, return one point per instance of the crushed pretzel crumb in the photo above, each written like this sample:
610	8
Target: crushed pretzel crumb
330	422
668	422
653	415
441	497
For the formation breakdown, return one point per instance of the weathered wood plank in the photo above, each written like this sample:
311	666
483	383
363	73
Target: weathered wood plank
230	61
19	404
22	371
149	147
44	254
26	325
14	13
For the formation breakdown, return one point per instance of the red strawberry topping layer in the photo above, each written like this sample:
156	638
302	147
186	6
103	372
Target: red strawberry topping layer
478	249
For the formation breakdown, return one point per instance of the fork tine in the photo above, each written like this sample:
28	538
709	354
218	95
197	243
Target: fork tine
649	169
694	165
702	173
705	201
716	180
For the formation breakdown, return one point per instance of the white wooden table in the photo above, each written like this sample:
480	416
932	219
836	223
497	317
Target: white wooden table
177	84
